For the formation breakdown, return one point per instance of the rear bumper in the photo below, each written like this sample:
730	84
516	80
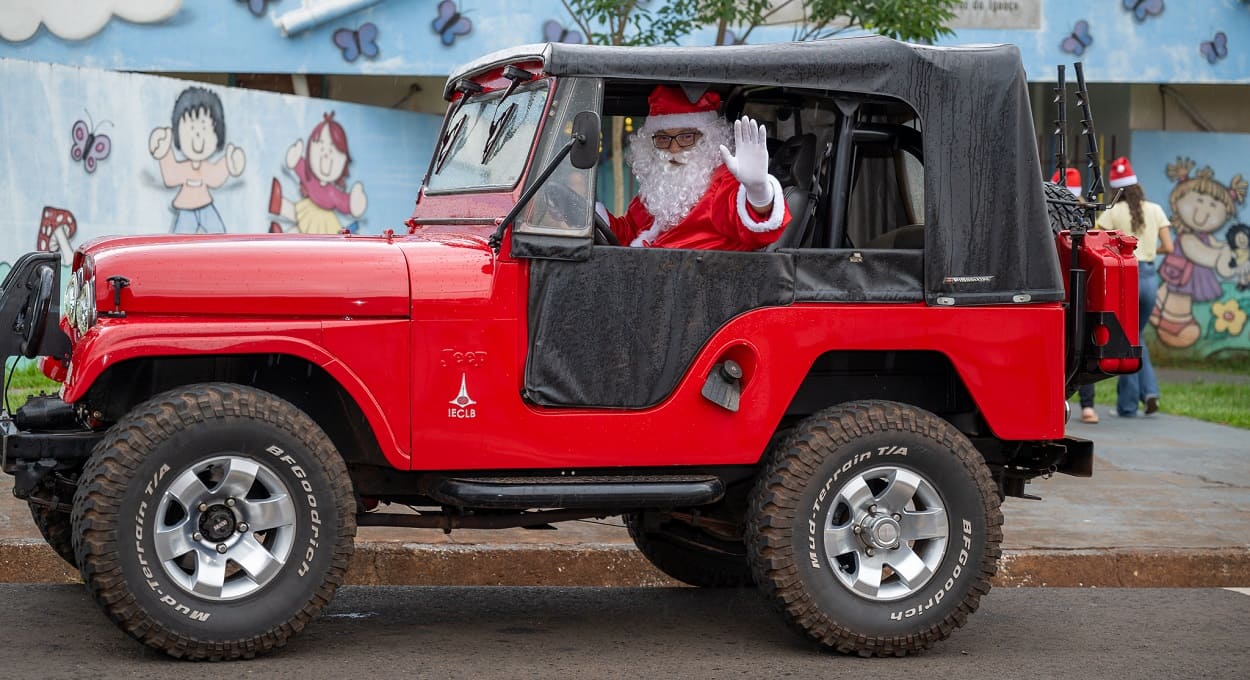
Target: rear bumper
1078	459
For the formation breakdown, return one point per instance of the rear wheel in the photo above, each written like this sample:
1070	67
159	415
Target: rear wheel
875	528
214	522
689	554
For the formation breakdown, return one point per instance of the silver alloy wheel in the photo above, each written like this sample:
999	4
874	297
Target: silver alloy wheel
885	533
224	527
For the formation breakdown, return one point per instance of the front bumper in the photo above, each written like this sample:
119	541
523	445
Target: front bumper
32	456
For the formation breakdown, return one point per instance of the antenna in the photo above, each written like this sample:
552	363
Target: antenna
1091	139
1061	125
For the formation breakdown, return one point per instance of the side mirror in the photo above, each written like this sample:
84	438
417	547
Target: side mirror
586	130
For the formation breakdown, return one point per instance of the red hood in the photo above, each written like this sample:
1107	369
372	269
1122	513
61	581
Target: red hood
258	275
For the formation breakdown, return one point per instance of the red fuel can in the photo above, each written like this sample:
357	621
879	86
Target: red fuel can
1111	315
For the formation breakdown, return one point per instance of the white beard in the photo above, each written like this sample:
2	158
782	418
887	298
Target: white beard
670	191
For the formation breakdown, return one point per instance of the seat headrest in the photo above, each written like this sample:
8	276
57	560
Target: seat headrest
794	160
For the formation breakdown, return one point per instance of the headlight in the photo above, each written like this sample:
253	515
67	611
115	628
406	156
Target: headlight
84	309
71	295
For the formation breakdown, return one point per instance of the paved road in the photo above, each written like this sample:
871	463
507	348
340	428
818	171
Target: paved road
55	631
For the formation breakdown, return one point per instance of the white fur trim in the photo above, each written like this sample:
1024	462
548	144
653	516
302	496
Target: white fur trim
1121	182
647	234
774	218
670	121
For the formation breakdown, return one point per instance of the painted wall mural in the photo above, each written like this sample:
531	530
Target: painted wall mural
90	153
77	19
1119	40
1204	295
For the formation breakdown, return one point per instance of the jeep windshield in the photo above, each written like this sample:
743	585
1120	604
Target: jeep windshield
487	141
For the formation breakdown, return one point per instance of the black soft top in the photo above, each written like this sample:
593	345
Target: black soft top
987	236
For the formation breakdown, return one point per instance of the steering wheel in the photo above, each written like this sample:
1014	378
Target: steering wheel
34	317
560	200
603	233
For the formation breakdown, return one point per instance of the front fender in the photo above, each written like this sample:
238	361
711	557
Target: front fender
109	344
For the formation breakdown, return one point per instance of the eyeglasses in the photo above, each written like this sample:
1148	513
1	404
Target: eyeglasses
684	139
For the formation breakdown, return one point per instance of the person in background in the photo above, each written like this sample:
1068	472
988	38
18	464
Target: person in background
1147	221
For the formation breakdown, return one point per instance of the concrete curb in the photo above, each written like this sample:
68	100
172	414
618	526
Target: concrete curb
415	564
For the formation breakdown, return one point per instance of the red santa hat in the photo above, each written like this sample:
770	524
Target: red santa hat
1072	180
670	108
1122	174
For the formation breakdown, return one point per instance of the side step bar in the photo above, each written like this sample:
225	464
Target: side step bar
521	493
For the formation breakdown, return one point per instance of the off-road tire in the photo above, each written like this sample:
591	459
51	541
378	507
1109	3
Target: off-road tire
1062	216
56	529
798	496
690	555
130	488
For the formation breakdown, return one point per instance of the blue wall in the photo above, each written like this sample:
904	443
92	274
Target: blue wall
125	194
224	36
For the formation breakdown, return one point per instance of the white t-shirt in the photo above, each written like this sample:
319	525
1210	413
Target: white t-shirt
1153	219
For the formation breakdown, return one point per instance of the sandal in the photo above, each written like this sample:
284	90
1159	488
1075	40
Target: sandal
1089	415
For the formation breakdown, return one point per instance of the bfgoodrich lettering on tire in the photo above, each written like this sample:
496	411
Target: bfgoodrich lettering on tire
875	528
213	522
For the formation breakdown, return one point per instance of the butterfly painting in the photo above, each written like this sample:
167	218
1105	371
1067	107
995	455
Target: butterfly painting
1144	9
257	7
1214	49
89	146
554	32
361	42
450	23
1078	40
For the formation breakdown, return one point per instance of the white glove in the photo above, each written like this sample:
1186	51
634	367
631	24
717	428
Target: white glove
749	162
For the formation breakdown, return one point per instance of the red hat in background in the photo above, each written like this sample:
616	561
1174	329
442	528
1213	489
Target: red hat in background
1072	180
669	108
1122	174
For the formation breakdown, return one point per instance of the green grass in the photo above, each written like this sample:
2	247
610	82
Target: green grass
1224	403
27	381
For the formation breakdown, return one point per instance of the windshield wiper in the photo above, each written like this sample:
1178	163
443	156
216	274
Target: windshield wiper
517	76
449	139
497	128
466	88
498	122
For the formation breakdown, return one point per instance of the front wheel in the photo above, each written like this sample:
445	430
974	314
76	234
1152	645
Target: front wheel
213	522
875	528
56	528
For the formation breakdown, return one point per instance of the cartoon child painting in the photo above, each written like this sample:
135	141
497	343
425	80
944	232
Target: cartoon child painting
1191	273
321	168
199	132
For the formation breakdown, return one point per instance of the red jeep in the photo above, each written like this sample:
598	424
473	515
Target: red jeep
834	419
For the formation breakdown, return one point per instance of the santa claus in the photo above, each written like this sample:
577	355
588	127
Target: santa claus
694	191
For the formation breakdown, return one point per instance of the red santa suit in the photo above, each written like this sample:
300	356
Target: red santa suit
721	220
